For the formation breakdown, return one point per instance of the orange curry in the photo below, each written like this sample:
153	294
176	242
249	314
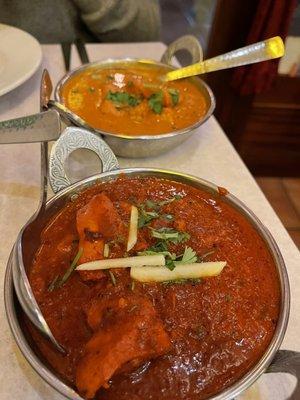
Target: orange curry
133	100
126	340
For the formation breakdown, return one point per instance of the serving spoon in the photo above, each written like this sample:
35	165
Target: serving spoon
256	52
23	248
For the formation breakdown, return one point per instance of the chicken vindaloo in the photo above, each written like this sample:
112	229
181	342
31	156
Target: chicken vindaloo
156	289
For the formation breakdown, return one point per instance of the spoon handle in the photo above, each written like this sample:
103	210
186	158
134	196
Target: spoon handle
261	51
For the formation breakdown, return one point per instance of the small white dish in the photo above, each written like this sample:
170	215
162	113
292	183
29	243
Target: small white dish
20	57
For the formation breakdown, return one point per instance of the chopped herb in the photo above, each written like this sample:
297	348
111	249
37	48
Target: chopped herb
123	99
155	102
170	264
112	277
170	234
168	217
174	93
189	256
74	91
161	248
193	281
129	84
151	204
152	253
168	201
145	217
109	77
52	285
61	281
91	89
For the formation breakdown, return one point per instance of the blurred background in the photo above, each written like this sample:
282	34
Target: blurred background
258	106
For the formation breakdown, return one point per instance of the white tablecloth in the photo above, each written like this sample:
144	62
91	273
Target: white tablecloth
207	154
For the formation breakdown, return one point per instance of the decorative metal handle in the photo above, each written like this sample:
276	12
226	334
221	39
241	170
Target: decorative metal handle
74	138
187	42
289	362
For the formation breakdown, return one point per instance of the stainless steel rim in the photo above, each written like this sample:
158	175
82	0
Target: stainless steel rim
153	137
243	383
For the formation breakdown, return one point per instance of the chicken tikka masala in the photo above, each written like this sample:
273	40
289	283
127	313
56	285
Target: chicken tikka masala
133	100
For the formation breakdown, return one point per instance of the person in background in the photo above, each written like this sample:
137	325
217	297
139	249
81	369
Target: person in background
57	21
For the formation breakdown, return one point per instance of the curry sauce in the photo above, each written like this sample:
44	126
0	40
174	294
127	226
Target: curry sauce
133	100
181	340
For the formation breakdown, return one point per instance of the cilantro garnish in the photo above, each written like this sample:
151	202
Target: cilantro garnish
189	256
161	248
60	281
193	281
170	234
123	99
151	204
146	216
155	102
174	93
168	217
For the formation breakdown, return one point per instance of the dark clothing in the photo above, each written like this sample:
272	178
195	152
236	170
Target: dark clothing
55	21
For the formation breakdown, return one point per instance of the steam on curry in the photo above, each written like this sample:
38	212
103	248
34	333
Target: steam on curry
133	100
156	289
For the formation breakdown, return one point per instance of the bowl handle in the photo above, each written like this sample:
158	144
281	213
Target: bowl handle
186	42
73	138
287	361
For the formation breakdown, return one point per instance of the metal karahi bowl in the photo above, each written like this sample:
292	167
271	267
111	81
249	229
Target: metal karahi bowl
146	145
272	360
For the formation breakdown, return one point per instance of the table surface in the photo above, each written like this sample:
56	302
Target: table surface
207	154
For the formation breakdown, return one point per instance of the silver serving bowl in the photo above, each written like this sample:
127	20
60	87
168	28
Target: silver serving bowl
146	145
271	361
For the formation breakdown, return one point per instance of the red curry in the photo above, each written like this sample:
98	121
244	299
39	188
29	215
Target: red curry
174	340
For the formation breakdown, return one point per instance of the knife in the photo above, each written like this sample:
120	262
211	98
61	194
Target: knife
41	127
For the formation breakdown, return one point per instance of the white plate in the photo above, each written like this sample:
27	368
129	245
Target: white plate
20	57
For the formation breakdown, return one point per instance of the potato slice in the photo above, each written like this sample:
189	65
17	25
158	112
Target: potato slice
184	271
133	228
126	262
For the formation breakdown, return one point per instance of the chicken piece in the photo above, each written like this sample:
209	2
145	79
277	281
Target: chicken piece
97	222
128	332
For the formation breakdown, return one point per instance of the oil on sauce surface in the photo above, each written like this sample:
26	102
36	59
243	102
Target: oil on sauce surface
133	101
218	327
